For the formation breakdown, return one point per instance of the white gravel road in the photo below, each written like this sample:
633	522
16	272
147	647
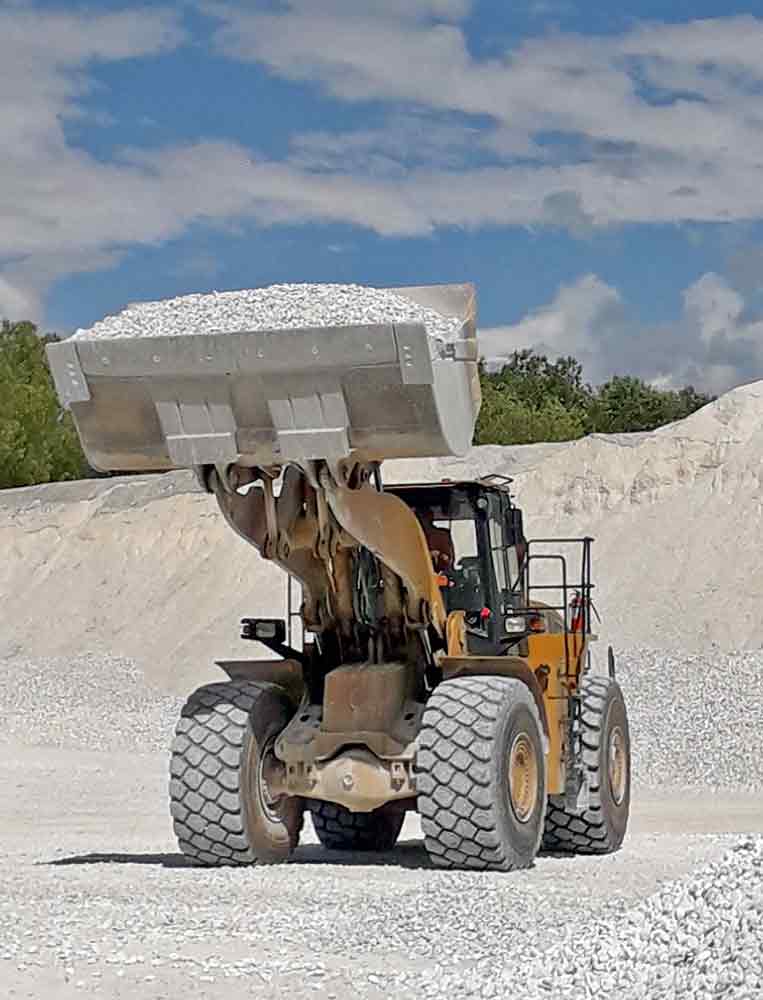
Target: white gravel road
96	901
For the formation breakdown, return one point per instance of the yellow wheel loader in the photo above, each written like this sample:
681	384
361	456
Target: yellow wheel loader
446	667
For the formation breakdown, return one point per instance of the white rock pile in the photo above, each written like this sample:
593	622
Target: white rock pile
692	718
699	938
276	307
90	702
690	715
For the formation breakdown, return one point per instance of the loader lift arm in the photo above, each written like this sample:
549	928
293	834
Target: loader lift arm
314	530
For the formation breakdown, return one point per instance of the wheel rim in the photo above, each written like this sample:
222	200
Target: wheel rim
523	777
617	765
268	767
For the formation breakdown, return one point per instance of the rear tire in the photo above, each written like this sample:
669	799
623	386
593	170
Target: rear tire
222	813
481	774
600	829
338	829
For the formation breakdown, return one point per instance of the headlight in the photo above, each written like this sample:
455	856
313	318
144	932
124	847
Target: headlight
515	625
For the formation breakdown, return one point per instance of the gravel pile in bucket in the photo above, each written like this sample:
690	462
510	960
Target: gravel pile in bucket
276	307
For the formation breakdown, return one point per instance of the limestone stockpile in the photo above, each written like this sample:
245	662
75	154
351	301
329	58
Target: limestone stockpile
145	567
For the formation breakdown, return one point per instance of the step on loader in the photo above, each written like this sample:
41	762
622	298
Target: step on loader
447	665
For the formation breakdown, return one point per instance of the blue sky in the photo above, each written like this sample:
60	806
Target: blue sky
597	173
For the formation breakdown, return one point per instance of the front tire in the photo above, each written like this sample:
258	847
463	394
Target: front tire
222	811
605	738
481	774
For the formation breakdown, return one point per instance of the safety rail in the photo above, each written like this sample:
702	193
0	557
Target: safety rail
576	605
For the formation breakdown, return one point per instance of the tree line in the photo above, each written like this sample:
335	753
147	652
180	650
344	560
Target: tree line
38	442
529	399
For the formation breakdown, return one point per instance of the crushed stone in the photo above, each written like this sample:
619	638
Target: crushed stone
689	714
276	307
696	938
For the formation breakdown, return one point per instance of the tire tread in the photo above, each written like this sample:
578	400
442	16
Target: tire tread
569	832
459	730
338	829
204	769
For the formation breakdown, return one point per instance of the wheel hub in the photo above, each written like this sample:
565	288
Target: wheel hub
270	778
617	765
523	777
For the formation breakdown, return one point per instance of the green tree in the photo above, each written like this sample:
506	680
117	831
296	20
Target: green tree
38	442
507	419
533	380
534	399
626	404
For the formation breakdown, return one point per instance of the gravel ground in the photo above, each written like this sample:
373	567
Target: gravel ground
96	901
277	307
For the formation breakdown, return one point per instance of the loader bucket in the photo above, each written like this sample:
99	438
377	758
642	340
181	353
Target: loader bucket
271	397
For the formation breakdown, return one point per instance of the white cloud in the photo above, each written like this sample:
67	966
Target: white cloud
661	123
714	344
714	306
62	210
730	332
731	42
569	324
621	154
391	10
18	303
405	142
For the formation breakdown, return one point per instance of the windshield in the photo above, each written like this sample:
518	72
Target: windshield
465	590
447	517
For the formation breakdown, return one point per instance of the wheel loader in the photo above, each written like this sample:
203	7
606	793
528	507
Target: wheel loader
447	667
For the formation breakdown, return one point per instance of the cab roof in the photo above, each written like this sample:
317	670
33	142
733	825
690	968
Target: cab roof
494	482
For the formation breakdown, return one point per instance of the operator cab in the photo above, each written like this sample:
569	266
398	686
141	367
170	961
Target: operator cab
478	546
